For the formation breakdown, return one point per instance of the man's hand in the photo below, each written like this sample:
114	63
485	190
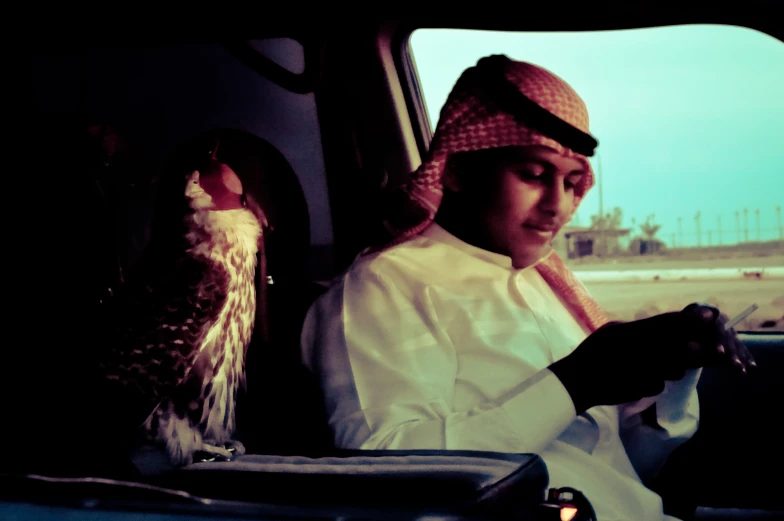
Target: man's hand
626	361
729	351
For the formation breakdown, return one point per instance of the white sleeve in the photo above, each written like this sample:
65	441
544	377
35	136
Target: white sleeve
649	438
388	373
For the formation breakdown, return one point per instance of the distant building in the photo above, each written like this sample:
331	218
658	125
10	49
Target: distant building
646	246
577	241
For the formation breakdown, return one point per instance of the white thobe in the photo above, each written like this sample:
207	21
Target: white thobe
437	344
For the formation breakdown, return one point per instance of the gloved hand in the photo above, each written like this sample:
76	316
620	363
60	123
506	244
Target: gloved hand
626	361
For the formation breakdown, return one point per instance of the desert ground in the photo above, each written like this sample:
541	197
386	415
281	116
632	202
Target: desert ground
633	300
653	262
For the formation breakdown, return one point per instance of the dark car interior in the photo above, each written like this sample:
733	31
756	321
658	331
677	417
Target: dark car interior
319	120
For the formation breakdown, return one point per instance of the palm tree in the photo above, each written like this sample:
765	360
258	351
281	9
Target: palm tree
616	218
649	229
608	221
647	243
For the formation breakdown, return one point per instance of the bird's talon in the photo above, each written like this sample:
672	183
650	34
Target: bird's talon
213	452
234	447
203	457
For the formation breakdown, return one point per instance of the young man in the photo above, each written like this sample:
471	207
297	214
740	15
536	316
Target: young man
467	331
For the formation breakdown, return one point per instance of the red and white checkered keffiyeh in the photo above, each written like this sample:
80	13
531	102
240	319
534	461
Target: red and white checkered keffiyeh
470	120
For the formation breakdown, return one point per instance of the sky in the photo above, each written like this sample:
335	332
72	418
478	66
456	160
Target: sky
688	118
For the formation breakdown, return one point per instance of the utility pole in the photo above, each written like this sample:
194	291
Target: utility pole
757	215
719	230
778	218
737	221
699	235
680	231
745	225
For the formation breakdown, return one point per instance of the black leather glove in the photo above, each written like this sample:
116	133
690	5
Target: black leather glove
626	361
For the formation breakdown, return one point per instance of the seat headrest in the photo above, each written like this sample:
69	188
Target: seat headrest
268	177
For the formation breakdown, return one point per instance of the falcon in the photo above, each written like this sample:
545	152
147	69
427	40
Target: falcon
182	322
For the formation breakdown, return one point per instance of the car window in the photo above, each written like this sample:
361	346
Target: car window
690	121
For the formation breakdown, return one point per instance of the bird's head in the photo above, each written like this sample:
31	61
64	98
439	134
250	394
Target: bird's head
214	186
215	193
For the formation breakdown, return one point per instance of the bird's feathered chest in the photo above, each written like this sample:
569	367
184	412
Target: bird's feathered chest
207	397
184	323
228	241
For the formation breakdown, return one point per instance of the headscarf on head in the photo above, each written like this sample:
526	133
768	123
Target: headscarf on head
500	103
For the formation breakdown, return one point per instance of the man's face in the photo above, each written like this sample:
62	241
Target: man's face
522	197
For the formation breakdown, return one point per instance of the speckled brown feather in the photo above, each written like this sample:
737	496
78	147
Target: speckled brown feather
159	324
